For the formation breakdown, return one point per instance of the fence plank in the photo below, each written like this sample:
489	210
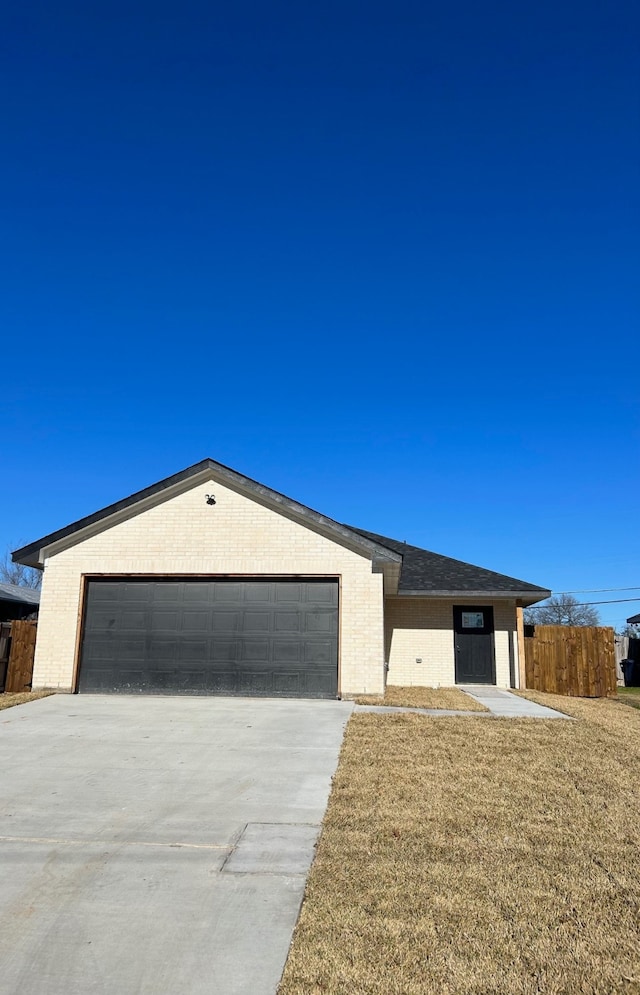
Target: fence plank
23	646
572	660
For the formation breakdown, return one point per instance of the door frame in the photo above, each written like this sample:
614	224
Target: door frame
492	633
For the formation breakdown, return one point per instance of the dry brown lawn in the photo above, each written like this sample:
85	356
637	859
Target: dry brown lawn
463	857
575	706
8	700
414	697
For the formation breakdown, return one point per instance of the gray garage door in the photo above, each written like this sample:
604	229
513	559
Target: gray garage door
184	636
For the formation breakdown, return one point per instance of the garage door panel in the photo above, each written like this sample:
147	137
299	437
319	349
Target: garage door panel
255	637
104	592
224	650
164	621
287	621
130	647
102	620
253	621
222	681
252	650
256	682
288	683
226	621
315	621
318	652
130	620
225	592
105	678
258	592
162	649
138	592
288	592
196	621
323	594
196	594
134	677
99	650
193	650
162	679
166	593
193	680
288	651
319	682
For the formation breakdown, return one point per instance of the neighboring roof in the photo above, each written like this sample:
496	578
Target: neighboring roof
424	572
206	469
19	594
634	620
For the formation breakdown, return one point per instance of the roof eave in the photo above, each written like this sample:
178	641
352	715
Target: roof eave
31	559
524	599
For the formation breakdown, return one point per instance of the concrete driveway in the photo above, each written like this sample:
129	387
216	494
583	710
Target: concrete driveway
157	846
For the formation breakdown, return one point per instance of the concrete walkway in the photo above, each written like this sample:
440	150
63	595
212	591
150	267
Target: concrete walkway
436	713
501	704
158	846
506	705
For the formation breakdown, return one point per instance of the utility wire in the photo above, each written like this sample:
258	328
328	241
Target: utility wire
616	601
600	590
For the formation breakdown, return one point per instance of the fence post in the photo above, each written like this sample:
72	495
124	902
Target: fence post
522	666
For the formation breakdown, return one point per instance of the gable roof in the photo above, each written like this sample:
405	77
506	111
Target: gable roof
21	595
421	572
427	573
634	620
206	469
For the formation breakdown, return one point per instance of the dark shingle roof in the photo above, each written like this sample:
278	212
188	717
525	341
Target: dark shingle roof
423	571
634	620
21	595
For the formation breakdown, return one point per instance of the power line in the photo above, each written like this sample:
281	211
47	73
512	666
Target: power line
600	590
616	601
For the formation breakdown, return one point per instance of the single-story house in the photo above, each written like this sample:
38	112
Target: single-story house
211	583
17	602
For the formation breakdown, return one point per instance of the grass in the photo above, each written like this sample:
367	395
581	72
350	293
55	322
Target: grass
9	699
630	696
417	697
478	858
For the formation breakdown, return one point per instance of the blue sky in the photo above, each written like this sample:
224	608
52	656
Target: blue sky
381	257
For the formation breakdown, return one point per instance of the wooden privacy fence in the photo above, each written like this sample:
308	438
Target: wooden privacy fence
5	646
576	660
21	653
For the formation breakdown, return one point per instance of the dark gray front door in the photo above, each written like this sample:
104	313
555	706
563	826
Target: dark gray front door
193	636
474	644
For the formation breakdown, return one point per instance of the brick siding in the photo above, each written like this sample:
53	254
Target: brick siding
237	535
422	628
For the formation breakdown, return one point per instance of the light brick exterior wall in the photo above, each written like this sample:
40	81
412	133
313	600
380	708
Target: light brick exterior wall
422	628
185	535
